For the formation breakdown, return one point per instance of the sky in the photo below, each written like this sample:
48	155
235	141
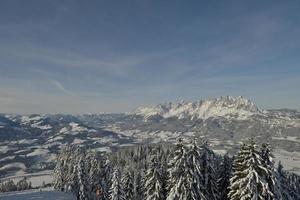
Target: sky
72	56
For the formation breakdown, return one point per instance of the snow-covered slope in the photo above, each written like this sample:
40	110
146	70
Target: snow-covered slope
37	194
239	107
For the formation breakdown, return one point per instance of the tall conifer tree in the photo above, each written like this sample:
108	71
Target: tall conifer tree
83	183
196	179
178	179
128	181
154	179
248	181
116	191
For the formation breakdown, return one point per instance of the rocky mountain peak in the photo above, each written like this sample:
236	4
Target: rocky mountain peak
203	109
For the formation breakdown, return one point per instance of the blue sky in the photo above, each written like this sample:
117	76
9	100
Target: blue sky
74	56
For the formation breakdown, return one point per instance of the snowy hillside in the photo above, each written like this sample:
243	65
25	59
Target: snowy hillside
36	194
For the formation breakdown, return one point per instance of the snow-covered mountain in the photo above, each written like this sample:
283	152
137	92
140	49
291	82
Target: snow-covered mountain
239	107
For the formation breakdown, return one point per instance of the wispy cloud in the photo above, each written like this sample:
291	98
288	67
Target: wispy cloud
59	86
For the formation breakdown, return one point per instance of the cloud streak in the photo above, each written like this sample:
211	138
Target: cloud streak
59	86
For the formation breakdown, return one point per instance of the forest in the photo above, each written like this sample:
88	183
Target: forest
188	170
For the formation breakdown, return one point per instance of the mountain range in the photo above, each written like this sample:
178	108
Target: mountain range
225	106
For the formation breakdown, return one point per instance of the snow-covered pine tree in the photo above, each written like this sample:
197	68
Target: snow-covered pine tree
71	156
224	176
248	181
294	185
139	188
8	186
23	184
237	168
64	169
83	193
95	169
116	191
164	172
106	177
58	173
283	183
209	173
127	182
71	171
268	163
178	179
154	179
195	176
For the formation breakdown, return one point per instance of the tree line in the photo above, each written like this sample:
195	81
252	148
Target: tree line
9	186
184	171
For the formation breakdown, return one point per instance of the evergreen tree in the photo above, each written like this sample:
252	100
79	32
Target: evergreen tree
23	184
104	178
59	180
72	158
164	172
283	183
194	173
268	163
83	193
139	188
294	185
154	180
208	171
72	184
178	178
116	191
224	176
95	170
248	181
128	181
9	186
